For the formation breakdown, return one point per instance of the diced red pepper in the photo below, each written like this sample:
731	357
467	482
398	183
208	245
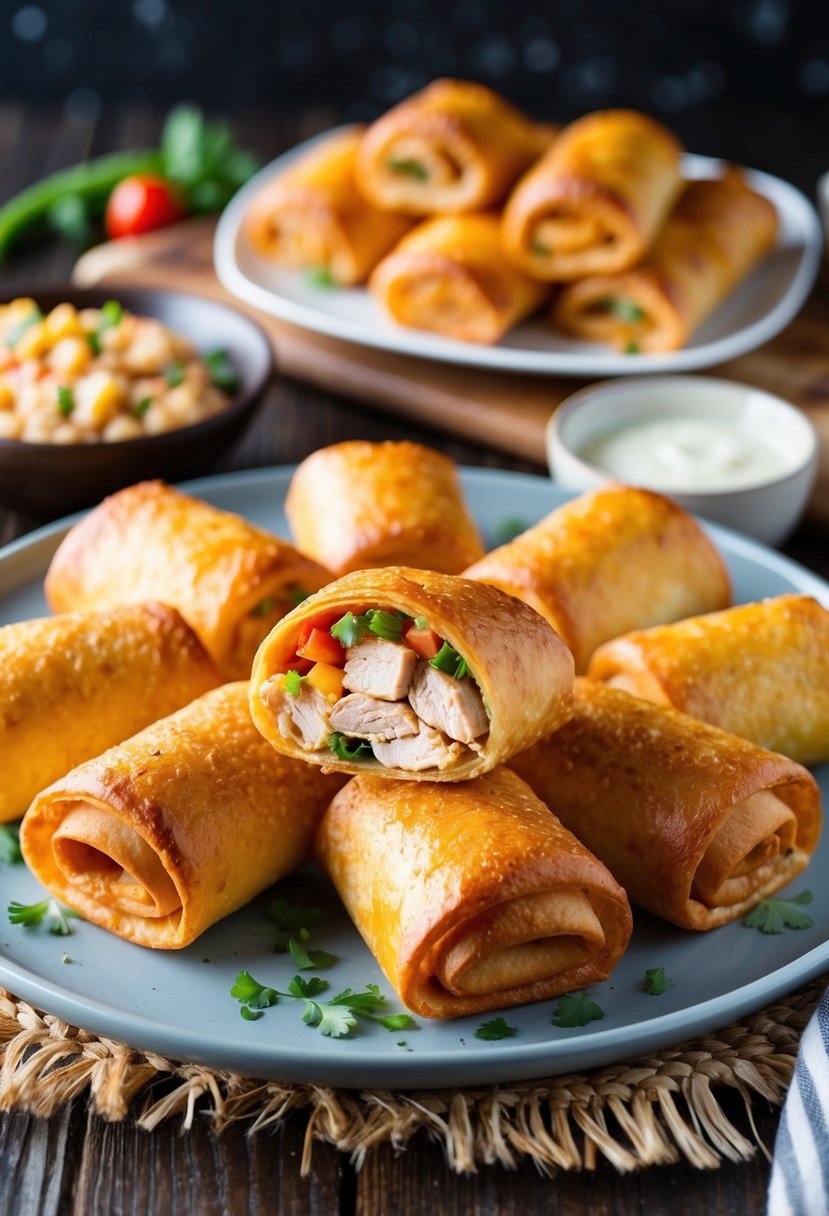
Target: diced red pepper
323	622
322	648
424	642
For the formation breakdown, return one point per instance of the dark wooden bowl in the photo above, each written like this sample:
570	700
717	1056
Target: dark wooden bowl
50	479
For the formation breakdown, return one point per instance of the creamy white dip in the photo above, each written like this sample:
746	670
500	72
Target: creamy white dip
689	454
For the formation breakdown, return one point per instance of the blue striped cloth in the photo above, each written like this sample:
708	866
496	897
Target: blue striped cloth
800	1169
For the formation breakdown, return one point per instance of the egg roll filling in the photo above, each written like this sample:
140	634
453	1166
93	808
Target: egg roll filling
381	686
255	624
756	833
108	860
511	944
443	298
425	161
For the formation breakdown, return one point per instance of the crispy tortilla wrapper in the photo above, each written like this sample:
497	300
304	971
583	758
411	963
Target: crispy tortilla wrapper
73	685
521	674
313	217
229	580
760	671
455	146
167	833
471	896
596	201
357	505
697	825
450	276
617	559
714	238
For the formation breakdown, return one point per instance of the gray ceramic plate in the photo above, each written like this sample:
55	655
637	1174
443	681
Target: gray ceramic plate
178	1003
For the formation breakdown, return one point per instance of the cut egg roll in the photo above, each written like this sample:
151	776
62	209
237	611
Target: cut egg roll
73	685
455	146
410	674
179	826
230	581
450	276
596	201
616	559
312	216
760	671
697	825
717	234
472	896
357	505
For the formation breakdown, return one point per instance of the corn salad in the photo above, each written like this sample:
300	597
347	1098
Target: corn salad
99	375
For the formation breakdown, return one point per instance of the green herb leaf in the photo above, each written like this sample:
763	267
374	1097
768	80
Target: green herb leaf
293	683
203	159
508	529
174	374
66	400
576	1009
348	749
397	1021
306	989
407	167
222	372
494	1030
775	915
56	916
249	992
421	622
625	310
27	914
306	960
94	343
656	981
140	408
319	276
386	625
449	661
17	331
330	1020
349	629
10	852
292	915
633	348
112	314
250	1015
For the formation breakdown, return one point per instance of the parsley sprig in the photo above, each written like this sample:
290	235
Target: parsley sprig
775	915
57	917
498	1028
576	1009
295	921
335	1017
657	981
10	844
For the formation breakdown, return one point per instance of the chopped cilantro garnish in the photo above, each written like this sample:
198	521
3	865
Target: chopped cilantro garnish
250	1015
498	1028
56	916
338	743
10	844
249	992
335	1017
449	661
140	408
775	915
293	683
66	400
17	331
656	981
407	167
319	276
625	310
576	1009
222	372
174	374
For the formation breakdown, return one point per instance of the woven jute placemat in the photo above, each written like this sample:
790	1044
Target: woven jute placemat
652	1111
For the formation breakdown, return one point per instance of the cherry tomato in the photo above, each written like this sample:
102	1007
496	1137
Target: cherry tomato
142	203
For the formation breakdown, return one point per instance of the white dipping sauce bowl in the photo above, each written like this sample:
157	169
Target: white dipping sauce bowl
768	510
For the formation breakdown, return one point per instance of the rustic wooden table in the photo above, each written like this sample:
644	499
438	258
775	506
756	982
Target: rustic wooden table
75	1163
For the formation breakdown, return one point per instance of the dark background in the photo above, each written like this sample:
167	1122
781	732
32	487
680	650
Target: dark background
748	79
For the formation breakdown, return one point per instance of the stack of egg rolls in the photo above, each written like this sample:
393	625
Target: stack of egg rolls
229	580
179	826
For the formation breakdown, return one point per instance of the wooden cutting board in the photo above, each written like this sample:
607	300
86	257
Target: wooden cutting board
505	411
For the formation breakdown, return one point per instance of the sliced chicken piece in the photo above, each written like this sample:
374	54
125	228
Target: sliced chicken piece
304	718
379	668
426	749
368	718
452	706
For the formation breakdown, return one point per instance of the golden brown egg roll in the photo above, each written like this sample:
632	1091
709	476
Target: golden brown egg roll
455	146
73	685
355	505
437	678
450	276
313	217
716	235
471	896
177	827
613	560
697	825
597	199
229	580
760	671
